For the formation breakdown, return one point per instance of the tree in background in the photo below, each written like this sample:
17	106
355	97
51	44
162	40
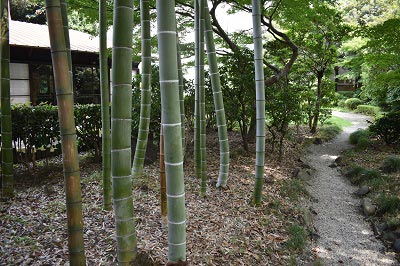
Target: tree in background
371	56
121	122
7	175
171	126
63	86
319	38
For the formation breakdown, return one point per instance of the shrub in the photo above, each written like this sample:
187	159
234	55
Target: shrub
357	135
391	164
388	203
341	103
368	110
345	94
387	127
352	103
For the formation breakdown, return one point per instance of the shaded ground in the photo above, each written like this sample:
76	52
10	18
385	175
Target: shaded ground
345	237
222	228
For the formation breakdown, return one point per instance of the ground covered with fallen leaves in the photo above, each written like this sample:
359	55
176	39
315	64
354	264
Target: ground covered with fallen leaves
223	228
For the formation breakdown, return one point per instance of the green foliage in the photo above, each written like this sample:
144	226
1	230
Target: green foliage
388	203
32	11
357	135
343	95
387	127
368	110
352	103
155	113
298	237
238	87
88	129
341	103
328	132
391	164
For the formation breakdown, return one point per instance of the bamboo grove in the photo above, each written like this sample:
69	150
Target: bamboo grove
118	169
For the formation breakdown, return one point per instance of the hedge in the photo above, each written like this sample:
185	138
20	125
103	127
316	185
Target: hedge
368	110
36	128
352	103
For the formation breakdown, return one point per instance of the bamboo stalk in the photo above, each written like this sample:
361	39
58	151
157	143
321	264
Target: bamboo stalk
145	100
64	94
105	107
171	123
6	123
218	102
163	190
121	121
260	102
197	153
202	101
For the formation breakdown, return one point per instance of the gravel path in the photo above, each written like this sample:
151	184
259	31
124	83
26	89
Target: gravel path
345	237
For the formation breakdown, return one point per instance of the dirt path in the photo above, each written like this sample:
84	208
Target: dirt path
345	237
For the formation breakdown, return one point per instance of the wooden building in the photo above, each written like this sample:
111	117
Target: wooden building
31	71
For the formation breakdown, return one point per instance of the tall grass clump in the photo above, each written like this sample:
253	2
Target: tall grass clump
388	203
391	164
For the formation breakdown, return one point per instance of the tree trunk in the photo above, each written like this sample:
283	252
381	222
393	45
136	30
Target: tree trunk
317	103
121	120
105	106
260	102
171	123
145	100
63	87
7	177
251	134
218	102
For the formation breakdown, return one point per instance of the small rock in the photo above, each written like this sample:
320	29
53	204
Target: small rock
317	141
333	165
339	159
304	175
296	171
388	236
396	245
362	191
58	242
383	227
367	206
